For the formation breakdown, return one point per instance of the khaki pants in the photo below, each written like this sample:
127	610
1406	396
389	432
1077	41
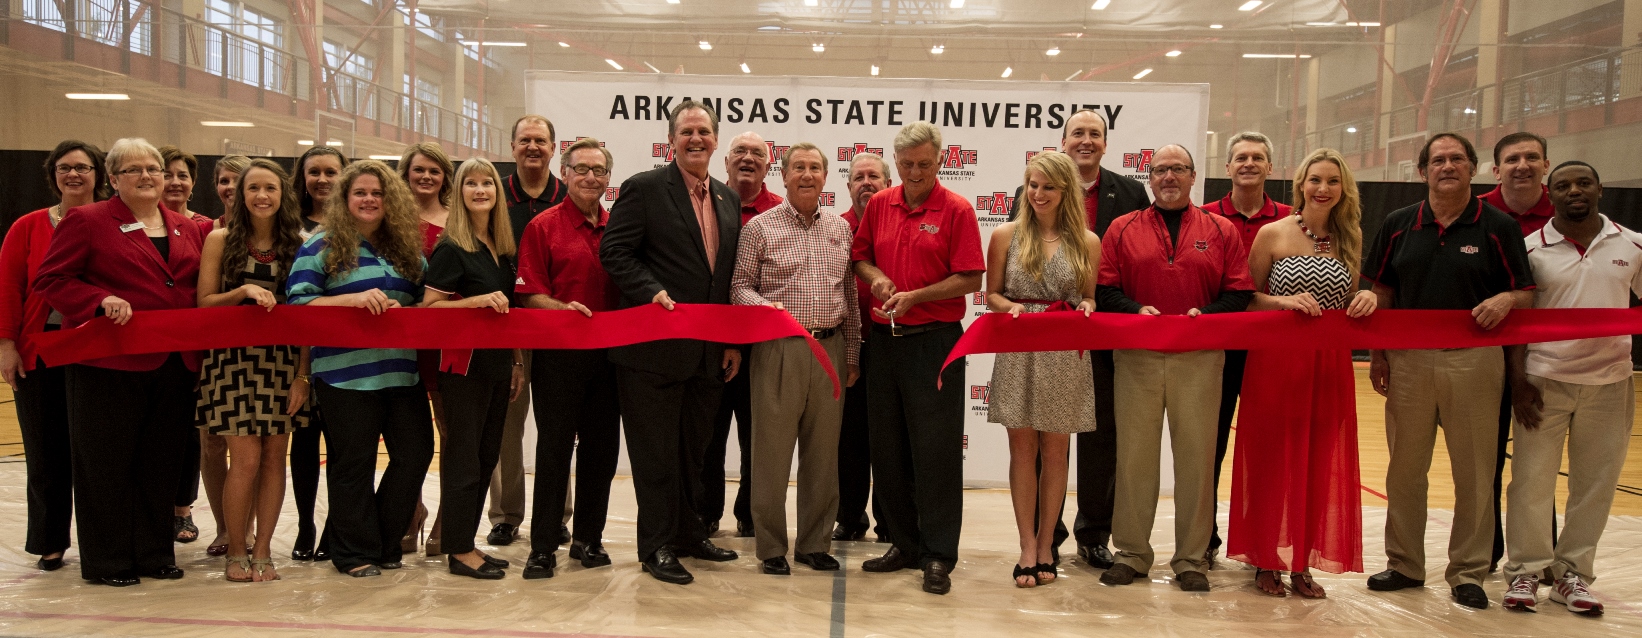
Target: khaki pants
507	483
1186	386
792	403
1461	390
1595	420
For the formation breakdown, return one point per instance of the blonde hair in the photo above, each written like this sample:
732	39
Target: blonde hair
400	238
236	164
917	134
432	152
127	148
1071	220
1345	221
459	227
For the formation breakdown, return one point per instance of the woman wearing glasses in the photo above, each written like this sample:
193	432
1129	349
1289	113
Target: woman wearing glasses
113	258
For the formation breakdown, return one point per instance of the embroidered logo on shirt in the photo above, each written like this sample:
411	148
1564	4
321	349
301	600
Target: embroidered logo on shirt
929	228
1202	246
519	282
1621	263
1469	250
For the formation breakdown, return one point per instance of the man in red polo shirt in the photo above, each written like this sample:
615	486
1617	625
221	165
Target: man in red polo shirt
1171	258
919	247
745	166
1249	209
868	174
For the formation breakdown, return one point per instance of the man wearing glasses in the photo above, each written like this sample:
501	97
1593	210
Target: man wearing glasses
1168	259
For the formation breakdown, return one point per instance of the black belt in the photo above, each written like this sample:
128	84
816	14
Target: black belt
824	333
903	330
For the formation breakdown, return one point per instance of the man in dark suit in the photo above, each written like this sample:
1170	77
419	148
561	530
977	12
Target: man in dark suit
1107	196
672	237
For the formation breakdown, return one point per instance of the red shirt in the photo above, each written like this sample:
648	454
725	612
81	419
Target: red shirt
1248	227
1091	203
863	292
1531	221
23	314
559	257
205	224
1135	256
917	248
764	201
430	237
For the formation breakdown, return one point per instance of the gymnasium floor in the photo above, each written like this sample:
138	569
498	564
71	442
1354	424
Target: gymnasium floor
733	599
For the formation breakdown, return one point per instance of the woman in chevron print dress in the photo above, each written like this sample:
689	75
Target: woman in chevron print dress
254	396
1295	502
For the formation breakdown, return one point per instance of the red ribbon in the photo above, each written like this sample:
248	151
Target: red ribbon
1285	330
425	328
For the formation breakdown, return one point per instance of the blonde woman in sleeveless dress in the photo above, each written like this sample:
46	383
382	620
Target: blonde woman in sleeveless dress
1046	261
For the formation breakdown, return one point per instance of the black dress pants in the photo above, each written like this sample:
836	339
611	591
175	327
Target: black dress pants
42	415
737	401
475	414
668	423
855	461
577	410
127	430
366	519
1097	463
917	441
1231	384
188	479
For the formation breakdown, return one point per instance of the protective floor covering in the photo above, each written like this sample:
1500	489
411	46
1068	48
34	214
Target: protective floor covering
733	599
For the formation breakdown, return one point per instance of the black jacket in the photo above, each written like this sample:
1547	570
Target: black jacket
1119	196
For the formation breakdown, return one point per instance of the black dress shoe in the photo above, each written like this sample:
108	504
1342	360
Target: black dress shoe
485	571
818	561
590	555
165	572
322	554
500	563
49	564
776	566
564	534
392	564
1471	596
366	571
937	577
540	565
706	550
892	560
842	533
710	526
502	534
122	579
303	548
1096	556
1392	580
302	554
664	566
743	529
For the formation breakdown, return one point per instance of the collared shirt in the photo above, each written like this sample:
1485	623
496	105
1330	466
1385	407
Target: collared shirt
560	258
461	274
761	202
354	368
1249	226
1431	267
1139	258
1091	201
1534	219
806	268
521	207
1602	275
701	199
917	248
863	292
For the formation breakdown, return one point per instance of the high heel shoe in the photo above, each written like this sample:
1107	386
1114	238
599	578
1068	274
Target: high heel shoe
413	535
303	549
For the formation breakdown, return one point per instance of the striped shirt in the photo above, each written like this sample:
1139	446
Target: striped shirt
354	368
806	268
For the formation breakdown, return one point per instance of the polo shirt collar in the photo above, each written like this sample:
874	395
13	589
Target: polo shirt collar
1542	208
1471	215
516	191
1267	209
900	200
1550	236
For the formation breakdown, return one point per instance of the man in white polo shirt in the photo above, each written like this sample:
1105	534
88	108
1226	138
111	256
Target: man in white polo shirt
1578	392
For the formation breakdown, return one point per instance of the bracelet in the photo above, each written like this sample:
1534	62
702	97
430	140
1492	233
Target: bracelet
303	378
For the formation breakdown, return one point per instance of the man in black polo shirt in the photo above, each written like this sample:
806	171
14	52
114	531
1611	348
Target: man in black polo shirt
531	189
1449	252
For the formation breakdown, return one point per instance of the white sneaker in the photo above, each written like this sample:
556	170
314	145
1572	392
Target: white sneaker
1524	593
1570	590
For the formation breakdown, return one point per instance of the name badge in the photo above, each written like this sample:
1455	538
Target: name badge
126	228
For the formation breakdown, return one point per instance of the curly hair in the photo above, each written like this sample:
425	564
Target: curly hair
1345	221
1071	219
287	225
398	241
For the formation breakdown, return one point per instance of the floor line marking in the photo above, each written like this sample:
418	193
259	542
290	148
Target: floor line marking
838	595
259	624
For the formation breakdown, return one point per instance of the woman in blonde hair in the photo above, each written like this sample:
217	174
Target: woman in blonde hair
1295	503
1046	260
367	255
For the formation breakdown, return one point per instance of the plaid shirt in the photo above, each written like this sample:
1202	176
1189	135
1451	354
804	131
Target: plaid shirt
807	269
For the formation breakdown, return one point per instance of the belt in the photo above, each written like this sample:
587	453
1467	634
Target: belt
824	333
903	330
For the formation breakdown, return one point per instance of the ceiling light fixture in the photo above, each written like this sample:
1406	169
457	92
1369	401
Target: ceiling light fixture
1007	71
652	67
479	43
937	49
705	45
807	3
874	70
1100	5
1351	129
957	4
1251	5
1173	54
385	158
672	1
1276	56
613	63
1073	75
329	143
1362	24
230	124
1052	51
1143	73
1217	26
564	44
818	48
745	69
96	96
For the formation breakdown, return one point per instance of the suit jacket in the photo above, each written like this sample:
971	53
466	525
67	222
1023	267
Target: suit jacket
653	243
1119	196
91	258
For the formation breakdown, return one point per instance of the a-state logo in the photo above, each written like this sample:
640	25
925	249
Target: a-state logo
829	198
1141	162
1032	154
662	150
565	145
847	153
996	204
981	392
977	298
958	157
776	152
611	193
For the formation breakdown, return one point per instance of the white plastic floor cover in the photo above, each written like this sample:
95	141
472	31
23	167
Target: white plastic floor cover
734	599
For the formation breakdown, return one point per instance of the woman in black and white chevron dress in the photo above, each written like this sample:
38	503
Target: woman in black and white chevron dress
254	396
1295	503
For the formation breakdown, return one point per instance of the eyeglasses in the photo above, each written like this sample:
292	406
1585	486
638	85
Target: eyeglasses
152	171
77	169
1178	170
583	169
753	151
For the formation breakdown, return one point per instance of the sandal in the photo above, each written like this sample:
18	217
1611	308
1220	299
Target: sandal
1305	586
242	562
184	529
1265	577
217	550
1046	568
1030	571
262	566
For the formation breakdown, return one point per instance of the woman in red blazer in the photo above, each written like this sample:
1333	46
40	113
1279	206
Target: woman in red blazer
113	258
75	172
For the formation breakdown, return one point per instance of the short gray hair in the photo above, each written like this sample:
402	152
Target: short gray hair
1248	136
803	146
882	165
917	134
586	142
128	148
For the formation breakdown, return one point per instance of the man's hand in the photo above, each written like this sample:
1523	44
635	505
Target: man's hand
777	305
1150	311
1493	310
898	304
660	298
732	363
883	288
1194	312
1087	306
1527	403
854	375
1379	372
578	307
1363	304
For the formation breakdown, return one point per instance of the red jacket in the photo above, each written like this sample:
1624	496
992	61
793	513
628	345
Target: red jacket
92	258
23	314
1135	256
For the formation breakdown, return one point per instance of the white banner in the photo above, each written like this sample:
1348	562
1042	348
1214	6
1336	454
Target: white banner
989	130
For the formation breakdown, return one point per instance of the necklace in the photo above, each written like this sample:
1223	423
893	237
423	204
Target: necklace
1047	240
262	256
56	214
1319	245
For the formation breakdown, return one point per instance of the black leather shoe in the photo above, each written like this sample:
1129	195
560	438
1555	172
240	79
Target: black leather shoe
500	563
819	561
323	553
366	571
1393	580
564	534
1471	596
303	549
892	560
1096	556
706	550
1191	581
540	565
842	533
392	564
937	578
590	555
1119	574
166	572
485	571
776	566
664	566
711	527
743	529
122	579
502	534
49	564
